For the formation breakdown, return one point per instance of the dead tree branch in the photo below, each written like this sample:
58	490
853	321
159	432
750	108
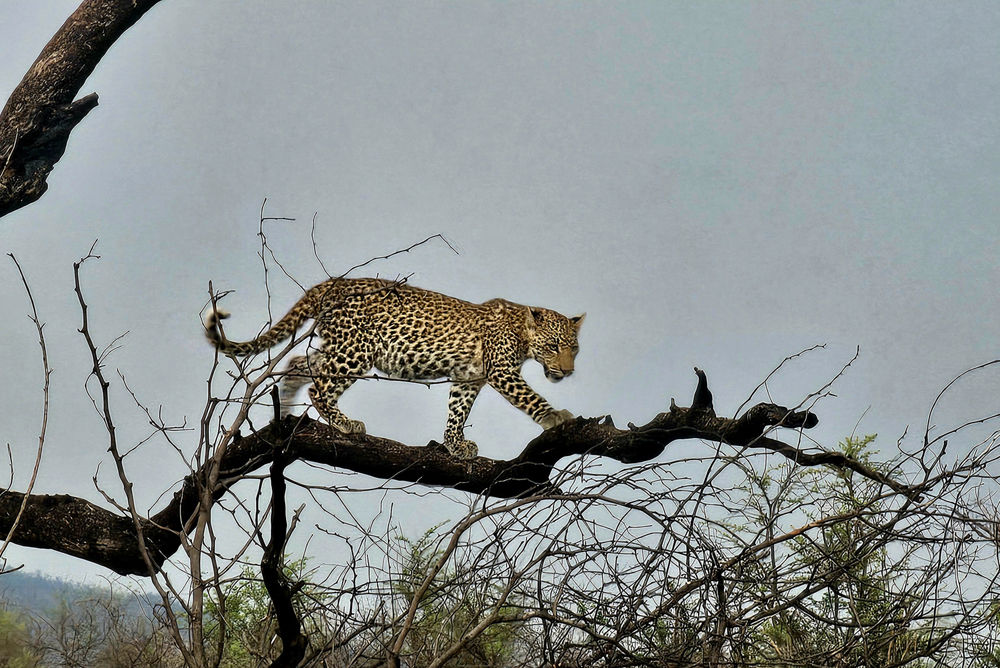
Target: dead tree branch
79	528
37	120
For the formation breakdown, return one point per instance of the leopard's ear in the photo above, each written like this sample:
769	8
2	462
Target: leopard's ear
532	316
577	320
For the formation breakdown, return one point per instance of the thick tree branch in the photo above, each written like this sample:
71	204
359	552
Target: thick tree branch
42	111
79	528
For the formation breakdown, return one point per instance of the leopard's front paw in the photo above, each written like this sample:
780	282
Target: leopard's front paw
346	426
463	449
556	418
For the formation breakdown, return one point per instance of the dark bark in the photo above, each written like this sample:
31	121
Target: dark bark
281	591
79	528
42	111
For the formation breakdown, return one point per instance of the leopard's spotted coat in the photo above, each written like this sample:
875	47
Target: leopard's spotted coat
411	333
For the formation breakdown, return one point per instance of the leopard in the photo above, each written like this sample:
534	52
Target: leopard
414	334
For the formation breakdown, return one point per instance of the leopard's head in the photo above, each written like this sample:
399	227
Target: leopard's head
552	341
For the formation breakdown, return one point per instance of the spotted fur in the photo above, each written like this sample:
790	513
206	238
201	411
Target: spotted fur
417	334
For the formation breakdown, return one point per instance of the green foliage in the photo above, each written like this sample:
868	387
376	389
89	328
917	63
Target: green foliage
858	611
454	603
858	447
241	621
987	651
15	642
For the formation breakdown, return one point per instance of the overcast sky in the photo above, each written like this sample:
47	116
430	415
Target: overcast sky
715	184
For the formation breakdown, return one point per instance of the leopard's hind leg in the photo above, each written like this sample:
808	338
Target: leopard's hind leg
332	373
298	373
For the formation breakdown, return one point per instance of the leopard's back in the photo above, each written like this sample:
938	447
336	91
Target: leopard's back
413	333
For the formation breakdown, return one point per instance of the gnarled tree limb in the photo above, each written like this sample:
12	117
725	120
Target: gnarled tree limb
81	529
42	111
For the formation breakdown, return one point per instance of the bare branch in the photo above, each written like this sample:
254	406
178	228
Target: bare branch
46	372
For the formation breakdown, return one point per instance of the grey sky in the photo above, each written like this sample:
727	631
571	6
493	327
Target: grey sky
715	184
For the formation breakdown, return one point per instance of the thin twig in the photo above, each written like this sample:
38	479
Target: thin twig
46	372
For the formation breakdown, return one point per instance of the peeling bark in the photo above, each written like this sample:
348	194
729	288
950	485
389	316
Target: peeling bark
36	122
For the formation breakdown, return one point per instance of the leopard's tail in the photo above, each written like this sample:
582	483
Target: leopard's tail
282	330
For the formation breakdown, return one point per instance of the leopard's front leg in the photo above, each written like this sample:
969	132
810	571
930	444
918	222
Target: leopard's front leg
517	391
461	396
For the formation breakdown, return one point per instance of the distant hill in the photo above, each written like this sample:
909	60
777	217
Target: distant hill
41	594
